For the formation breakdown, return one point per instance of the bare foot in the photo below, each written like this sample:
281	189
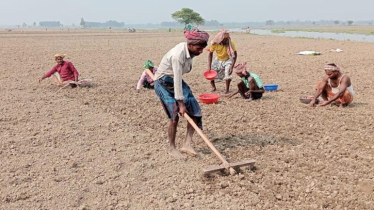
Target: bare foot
249	100
226	95
334	104
213	90
189	150
175	153
343	106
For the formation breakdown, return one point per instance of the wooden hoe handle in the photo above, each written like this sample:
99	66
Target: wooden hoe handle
210	145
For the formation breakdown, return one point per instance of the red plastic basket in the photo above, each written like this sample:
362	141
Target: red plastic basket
209	98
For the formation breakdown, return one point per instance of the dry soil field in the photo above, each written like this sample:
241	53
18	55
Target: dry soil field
104	147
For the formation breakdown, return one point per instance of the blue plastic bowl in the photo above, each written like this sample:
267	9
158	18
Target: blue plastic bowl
271	87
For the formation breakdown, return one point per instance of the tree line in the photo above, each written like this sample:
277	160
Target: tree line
110	23
188	16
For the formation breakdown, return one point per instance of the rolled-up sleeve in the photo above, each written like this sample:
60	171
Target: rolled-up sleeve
177	70
140	81
212	48
233	46
52	71
74	70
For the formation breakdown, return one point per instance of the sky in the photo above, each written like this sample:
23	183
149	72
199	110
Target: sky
17	12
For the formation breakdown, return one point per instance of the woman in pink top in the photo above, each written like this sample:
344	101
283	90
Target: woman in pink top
63	72
147	77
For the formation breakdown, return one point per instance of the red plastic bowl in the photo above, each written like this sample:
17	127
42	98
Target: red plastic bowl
209	98
210	74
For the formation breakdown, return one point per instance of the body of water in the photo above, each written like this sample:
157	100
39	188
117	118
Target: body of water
316	35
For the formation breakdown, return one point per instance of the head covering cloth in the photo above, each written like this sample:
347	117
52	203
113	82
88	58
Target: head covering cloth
148	64
241	68
331	67
219	38
195	36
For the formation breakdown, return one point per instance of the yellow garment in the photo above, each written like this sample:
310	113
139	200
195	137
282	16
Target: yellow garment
60	55
221	50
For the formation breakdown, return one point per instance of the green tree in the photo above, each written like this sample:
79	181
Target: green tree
350	22
82	23
34	24
24	25
336	22
188	16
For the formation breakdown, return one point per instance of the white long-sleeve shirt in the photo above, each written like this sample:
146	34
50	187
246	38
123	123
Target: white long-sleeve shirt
175	63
